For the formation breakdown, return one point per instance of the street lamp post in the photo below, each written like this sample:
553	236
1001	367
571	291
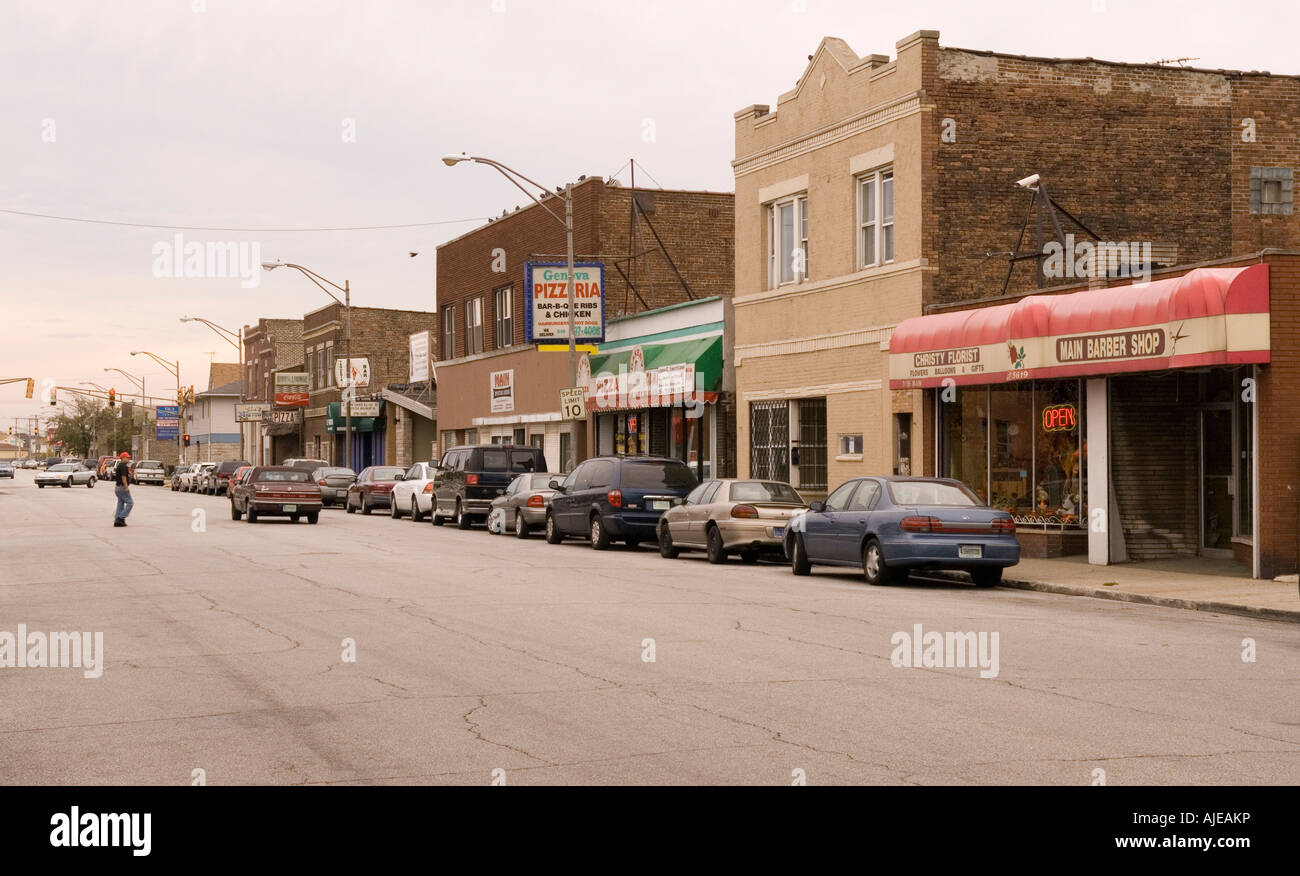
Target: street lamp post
173	368
236	340
349	390
511	174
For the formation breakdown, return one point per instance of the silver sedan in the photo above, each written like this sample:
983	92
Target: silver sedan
522	507
66	474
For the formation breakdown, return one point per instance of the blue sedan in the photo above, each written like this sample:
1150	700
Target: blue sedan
887	526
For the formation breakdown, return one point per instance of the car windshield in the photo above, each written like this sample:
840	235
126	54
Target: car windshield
930	493
657	476
542	481
64	467
335	472
296	476
148	465
764	491
386	474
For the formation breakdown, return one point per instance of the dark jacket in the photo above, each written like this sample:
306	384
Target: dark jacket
122	474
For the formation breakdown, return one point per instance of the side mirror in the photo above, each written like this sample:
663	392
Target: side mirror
678	500
555	485
817	507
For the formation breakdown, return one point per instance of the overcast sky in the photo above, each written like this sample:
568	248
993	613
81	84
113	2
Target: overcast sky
288	115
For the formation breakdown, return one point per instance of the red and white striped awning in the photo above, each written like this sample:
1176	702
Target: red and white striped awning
1209	316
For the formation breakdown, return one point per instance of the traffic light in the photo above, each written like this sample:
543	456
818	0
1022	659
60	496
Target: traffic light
112	398
53	396
31	386
187	440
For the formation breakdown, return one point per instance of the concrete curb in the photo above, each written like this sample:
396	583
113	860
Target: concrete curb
1278	614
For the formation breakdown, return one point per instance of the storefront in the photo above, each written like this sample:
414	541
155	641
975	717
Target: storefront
1121	422
659	386
368	433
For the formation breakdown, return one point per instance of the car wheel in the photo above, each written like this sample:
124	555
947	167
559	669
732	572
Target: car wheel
553	534
313	516
417	515
749	558
252	516
463	520
392	510
987	577
234	512
40	486
365	506
434	517
67	484
666	548
874	569
347	503
799	563
717	553
90	484
521	526
599	537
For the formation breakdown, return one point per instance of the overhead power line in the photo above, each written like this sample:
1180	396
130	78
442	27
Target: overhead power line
166	227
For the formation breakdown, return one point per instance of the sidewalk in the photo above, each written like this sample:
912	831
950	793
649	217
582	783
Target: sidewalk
1201	584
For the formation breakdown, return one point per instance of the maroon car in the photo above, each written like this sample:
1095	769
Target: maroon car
373	488
275	491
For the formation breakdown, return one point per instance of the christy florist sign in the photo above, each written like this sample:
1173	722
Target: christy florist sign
633	387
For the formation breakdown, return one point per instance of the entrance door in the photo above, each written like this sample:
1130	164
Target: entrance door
1217	479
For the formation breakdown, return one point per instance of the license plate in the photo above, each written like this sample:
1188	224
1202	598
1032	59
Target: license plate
291	508
659	505
970	551
778	531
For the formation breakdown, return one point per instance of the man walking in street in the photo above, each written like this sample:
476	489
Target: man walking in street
122	477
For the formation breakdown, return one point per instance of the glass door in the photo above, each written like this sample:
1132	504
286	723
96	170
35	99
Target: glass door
1217	480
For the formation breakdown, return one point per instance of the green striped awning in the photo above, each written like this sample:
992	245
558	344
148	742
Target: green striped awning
704	353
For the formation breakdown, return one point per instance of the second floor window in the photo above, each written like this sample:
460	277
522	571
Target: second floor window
505	320
473	326
448	350
788	241
876	218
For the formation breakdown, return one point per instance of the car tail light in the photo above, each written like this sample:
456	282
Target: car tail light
471	480
1004	526
615	498
322	483
747	511
539	502
918	524
428	488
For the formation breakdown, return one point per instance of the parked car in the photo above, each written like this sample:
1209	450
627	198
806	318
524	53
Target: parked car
413	494
51	462
104	467
147	471
616	497
373	488
723	517
333	481
181	475
305	464
887	526
522	507
31	463
471	477
238	475
218	478
199	483
6	469
275	491
66	474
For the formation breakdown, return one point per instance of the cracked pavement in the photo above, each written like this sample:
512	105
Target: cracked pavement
224	650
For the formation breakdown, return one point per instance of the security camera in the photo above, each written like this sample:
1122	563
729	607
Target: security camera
1029	182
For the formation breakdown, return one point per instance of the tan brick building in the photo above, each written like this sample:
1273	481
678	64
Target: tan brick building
883	189
380	336
675	248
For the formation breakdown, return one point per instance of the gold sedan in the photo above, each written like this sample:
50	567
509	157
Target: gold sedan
722	517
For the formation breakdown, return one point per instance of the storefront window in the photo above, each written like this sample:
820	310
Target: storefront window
964	438
1019	448
1058	469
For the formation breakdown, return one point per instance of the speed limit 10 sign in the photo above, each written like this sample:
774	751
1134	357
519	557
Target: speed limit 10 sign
573	404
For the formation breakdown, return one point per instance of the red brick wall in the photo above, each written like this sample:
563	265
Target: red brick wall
1137	153
1279	424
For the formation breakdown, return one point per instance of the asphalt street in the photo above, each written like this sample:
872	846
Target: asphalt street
483	658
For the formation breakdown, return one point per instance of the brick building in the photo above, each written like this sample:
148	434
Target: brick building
269	346
880	190
379	336
495	386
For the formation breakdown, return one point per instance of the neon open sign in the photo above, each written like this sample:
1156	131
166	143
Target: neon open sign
1060	418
